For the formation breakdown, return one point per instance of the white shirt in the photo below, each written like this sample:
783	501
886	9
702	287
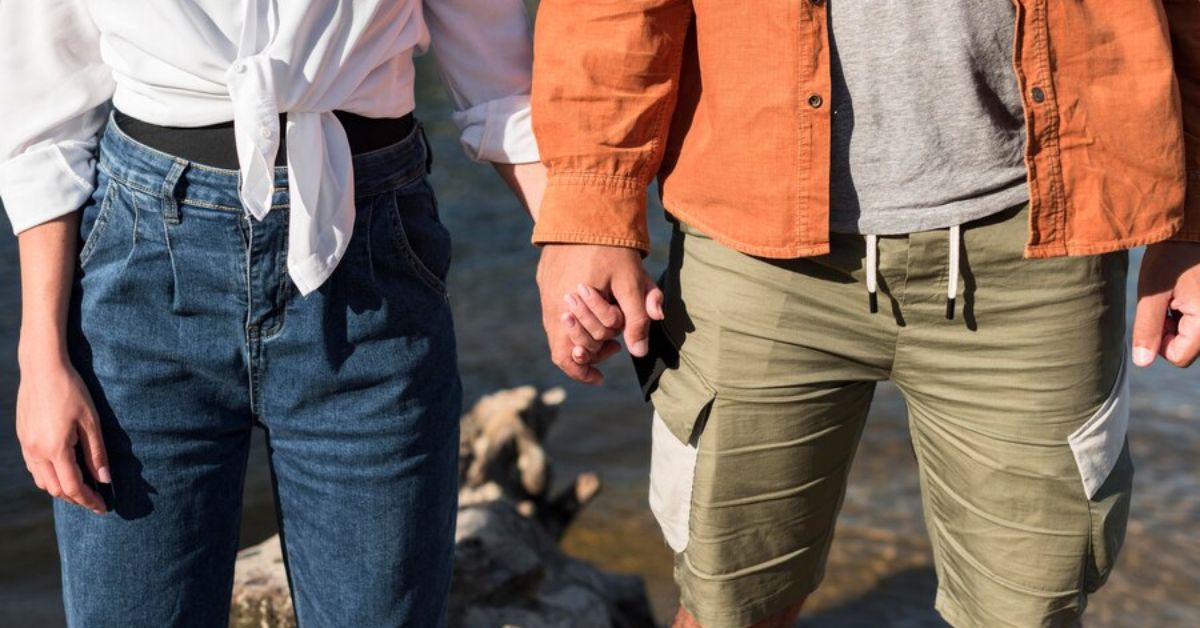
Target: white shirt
199	62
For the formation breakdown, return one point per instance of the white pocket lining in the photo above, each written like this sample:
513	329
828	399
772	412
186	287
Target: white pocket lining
672	472
1097	444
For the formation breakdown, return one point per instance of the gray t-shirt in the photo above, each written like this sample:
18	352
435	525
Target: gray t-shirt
928	125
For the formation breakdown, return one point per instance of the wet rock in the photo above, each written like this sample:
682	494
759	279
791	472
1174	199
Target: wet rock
509	568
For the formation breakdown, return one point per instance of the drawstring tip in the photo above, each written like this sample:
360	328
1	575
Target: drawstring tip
873	300
950	308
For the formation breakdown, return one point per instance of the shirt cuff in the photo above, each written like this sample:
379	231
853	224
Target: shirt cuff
498	131
593	209
45	182
1191	211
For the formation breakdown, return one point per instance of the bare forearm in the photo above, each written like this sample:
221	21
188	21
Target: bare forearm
47	254
528	183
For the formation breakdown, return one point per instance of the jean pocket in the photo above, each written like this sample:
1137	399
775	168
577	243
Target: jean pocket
94	219
421	240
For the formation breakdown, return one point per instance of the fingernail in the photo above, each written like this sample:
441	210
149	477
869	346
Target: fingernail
583	290
1142	356
103	475
572	300
569	320
639	348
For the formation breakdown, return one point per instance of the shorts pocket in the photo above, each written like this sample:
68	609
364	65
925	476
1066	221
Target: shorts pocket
672	473
1098	443
1101	451
1109	511
682	400
681	396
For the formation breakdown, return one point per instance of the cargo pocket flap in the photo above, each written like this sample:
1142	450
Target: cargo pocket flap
680	395
1097	444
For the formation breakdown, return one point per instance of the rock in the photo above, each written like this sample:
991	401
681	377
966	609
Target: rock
509	569
260	594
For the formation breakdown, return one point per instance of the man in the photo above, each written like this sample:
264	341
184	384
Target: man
940	194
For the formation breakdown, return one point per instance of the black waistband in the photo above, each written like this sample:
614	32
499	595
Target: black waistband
214	145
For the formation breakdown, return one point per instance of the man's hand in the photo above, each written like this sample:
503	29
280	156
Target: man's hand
1168	309
612	271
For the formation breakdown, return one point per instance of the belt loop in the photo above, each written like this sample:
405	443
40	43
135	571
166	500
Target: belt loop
166	194
428	149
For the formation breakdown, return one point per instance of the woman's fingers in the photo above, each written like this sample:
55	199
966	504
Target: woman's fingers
579	335
588	323
607	314
73	487
95	456
45	478
36	473
584	356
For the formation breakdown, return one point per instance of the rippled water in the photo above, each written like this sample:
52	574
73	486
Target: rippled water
879	573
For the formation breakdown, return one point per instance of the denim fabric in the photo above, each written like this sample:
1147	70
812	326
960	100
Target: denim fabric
189	334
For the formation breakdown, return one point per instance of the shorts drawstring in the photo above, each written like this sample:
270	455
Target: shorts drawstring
872	272
952	284
952	272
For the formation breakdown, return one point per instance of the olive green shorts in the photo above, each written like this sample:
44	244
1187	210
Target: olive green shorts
762	374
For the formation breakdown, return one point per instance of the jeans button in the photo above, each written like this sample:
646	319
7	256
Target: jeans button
1038	95
815	101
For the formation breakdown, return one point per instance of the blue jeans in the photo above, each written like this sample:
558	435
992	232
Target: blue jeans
189	334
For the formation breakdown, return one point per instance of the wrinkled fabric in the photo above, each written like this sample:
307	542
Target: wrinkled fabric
767	369
727	104
206	61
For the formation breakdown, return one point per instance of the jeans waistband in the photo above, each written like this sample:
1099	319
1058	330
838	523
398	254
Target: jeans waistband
154	172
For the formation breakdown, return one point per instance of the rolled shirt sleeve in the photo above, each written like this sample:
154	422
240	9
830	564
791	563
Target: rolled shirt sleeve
606	81
484	53
54	103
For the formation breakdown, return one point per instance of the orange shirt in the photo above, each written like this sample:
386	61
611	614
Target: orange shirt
727	103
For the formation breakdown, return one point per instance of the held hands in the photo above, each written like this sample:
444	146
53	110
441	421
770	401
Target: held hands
1168	309
576	282
55	415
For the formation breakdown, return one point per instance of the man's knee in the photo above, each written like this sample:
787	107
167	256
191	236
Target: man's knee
782	619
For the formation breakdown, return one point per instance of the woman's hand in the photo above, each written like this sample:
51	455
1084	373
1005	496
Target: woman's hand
55	417
592	323
55	414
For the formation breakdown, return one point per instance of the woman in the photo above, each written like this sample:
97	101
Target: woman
256	244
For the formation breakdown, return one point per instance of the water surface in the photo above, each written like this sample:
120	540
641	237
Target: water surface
879	573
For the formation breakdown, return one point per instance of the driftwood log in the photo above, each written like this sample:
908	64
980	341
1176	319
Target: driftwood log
508	567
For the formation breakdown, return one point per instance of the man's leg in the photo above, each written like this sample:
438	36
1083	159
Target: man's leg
361	399
993	396
765	372
782	619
